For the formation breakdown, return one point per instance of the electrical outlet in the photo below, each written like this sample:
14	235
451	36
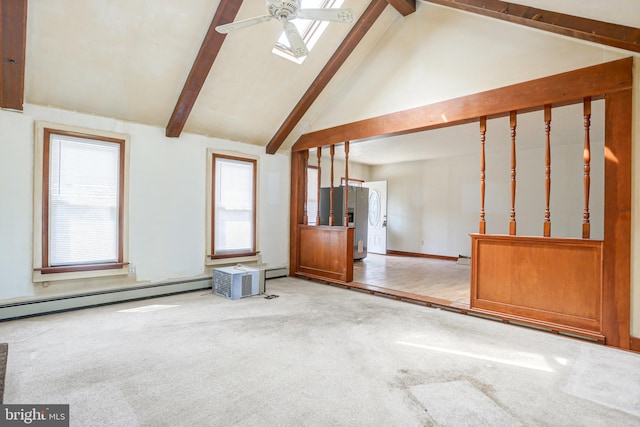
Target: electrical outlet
132	269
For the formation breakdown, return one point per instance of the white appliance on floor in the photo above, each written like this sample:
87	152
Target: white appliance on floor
238	281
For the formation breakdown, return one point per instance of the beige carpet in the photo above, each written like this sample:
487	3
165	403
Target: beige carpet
316	356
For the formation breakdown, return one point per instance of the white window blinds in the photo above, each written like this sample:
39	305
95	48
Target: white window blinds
83	201
234	206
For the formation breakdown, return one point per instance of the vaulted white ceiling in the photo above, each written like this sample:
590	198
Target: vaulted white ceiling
129	60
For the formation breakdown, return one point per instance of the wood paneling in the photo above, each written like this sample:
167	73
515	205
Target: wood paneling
325	253
357	33
557	281
13	41
226	12
561	89
568	25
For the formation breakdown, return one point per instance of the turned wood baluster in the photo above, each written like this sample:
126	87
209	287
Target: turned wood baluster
547	170
319	155
305	155
512	214
483	131
346	188
332	220
586	225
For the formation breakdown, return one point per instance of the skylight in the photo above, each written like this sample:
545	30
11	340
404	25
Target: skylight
309	30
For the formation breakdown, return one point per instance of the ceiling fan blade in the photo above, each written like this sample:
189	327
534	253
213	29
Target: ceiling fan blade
224	29
333	15
298	48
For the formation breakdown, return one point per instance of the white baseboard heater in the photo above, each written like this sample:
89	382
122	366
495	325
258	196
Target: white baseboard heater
93	299
38	307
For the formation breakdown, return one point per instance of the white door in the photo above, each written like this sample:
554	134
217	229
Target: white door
377	232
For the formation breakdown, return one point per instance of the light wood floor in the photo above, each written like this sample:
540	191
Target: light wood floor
423	276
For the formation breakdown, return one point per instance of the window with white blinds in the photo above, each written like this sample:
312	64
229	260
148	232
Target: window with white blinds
82	202
234	206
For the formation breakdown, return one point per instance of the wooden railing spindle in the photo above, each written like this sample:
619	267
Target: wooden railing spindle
305	217
483	131
346	188
319	156
332	220
512	214
586	225
547	170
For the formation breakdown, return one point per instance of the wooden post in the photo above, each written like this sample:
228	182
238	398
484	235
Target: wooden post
547	170
296	208
305	217
346	187
586	225
483	131
512	215
319	155
332	220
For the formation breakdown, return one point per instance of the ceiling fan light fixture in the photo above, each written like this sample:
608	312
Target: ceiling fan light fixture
287	11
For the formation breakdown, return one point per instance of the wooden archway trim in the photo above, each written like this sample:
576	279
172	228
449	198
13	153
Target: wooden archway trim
612	81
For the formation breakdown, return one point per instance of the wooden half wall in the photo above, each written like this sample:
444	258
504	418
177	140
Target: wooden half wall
554	281
612	81
326	253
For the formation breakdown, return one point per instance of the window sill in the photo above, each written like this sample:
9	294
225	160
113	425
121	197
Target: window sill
233	259
51	274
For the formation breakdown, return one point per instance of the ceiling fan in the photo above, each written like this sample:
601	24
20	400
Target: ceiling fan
285	11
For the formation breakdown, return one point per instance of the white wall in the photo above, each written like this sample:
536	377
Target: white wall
434	205
167	203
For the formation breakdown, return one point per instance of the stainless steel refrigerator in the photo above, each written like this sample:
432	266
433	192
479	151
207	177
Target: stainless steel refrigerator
358	214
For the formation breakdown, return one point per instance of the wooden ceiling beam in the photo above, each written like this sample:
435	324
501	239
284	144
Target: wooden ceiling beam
594	81
405	7
600	32
226	12
368	18
13	42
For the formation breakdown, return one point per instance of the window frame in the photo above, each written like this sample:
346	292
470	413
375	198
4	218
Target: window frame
42	271
225	258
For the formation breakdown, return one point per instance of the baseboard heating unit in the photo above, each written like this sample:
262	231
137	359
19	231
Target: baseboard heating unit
237	282
37	307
